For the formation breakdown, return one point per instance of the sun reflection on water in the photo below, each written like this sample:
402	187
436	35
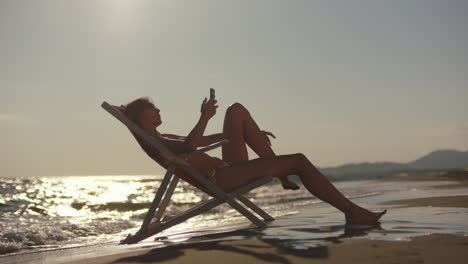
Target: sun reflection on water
49	210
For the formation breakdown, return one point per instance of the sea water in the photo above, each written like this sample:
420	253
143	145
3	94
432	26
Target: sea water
48	212
39	214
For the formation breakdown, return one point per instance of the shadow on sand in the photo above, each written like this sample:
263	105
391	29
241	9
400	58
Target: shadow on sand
310	248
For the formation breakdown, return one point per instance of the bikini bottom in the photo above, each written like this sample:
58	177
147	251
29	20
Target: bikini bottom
212	172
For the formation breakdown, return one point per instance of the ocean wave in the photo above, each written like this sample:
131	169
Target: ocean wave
30	232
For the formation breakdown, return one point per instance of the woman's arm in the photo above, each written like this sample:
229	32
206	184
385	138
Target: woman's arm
195	136
208	110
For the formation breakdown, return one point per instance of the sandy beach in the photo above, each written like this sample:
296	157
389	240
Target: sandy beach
424	249
427	227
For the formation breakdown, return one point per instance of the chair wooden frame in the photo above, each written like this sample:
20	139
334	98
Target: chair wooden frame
170	180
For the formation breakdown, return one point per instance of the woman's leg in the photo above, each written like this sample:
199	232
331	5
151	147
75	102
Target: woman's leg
230	178
241	129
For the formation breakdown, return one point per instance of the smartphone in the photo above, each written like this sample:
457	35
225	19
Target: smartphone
212	93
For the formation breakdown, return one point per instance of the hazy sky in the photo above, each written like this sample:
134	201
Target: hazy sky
340	81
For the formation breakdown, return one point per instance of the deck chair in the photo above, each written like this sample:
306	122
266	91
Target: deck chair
170	180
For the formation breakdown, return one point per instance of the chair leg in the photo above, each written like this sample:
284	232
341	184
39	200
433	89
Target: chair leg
157	198
166	199
194	211
255	208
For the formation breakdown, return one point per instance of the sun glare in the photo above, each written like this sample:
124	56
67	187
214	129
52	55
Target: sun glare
120	14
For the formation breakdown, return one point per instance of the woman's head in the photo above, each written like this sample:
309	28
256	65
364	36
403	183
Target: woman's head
143	112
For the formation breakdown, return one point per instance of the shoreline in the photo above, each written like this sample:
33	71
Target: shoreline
328	241
459	179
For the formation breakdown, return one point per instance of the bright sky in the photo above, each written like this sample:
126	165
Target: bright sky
340	81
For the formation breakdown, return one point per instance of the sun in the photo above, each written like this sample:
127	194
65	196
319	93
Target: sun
120	15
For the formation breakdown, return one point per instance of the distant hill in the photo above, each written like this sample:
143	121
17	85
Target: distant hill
440	159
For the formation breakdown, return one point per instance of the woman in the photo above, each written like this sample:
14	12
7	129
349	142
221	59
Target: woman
235	169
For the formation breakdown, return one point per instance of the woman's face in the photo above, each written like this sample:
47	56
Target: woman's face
150	119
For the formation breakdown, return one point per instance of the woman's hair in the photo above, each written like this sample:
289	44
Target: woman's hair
136	107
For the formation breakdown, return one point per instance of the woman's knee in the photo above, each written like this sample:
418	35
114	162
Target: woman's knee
294	163
300	159
236	108
304	163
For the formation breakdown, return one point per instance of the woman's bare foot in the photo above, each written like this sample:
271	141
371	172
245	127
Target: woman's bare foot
358	215
288	185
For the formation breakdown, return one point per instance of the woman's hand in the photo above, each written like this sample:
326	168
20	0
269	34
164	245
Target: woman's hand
208	108
266	134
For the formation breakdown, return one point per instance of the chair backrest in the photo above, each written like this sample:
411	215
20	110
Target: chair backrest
163	153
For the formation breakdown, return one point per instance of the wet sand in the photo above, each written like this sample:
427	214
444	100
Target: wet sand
425	249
